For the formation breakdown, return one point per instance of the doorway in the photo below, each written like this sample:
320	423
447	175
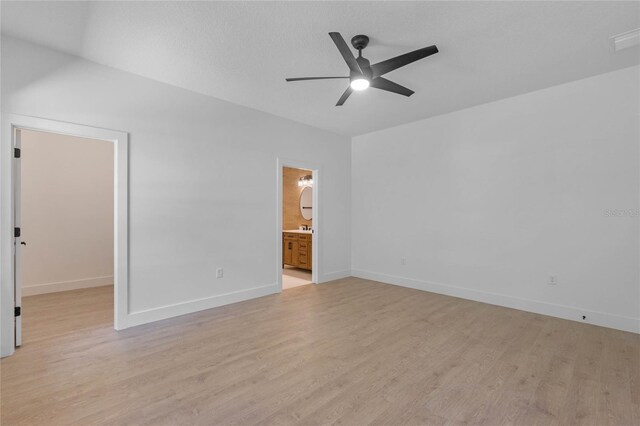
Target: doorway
28	222
297	227
65	209
298	236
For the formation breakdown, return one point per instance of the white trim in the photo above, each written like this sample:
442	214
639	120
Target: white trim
544	308
191	306
16	199
316	246
121	236
336	275
32	290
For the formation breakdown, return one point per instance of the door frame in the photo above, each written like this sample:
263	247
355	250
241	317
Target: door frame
11	123
316	246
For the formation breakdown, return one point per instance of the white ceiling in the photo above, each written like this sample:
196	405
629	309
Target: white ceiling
242	51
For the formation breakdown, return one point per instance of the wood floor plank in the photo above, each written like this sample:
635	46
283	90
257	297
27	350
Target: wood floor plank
349	352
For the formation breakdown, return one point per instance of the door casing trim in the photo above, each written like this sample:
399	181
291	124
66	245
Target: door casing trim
11	122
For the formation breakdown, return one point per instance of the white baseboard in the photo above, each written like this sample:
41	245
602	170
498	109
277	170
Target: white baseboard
191	306
32	290
560	311
331	276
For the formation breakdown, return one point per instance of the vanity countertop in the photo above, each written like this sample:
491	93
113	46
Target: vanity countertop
298	231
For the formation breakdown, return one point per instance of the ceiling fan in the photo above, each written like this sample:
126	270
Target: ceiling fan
363	75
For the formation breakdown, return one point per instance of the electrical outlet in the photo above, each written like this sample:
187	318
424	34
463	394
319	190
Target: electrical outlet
553	280
219	273
403	261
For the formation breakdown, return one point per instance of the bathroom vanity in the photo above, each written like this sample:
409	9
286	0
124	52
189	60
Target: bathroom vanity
296	248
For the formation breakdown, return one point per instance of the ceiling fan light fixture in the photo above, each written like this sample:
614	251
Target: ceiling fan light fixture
359	84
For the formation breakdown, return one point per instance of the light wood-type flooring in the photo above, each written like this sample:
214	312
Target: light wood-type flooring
350	352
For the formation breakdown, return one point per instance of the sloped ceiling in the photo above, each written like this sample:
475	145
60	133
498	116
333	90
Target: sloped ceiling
242	51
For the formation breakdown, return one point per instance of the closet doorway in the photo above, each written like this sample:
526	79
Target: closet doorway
67	212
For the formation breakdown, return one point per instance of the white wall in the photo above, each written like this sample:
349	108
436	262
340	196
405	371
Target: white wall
487	202
66	212
483	203
193	206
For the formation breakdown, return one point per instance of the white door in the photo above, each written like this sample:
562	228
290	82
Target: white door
17	241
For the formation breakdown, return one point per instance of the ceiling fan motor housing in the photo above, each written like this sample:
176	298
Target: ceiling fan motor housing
360	41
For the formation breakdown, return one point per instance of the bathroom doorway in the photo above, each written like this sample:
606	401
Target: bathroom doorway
297	227
297	236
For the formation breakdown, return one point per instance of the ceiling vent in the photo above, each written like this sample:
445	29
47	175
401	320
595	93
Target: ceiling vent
626	39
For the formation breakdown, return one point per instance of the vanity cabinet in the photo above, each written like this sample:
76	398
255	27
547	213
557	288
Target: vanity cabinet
296	249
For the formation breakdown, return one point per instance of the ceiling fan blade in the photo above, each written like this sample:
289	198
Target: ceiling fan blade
388	85
400	61
344	96
346	52
311	78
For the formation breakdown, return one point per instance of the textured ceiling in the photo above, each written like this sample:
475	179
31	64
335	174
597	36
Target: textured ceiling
242	51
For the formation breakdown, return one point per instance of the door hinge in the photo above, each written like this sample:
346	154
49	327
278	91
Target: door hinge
17	311
16	232
16	152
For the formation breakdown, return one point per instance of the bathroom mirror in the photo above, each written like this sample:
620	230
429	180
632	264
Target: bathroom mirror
306	203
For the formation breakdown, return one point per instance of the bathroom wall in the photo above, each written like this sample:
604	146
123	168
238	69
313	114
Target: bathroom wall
291	216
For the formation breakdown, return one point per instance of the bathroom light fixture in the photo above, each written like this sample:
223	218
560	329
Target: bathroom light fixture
305	181
359	84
